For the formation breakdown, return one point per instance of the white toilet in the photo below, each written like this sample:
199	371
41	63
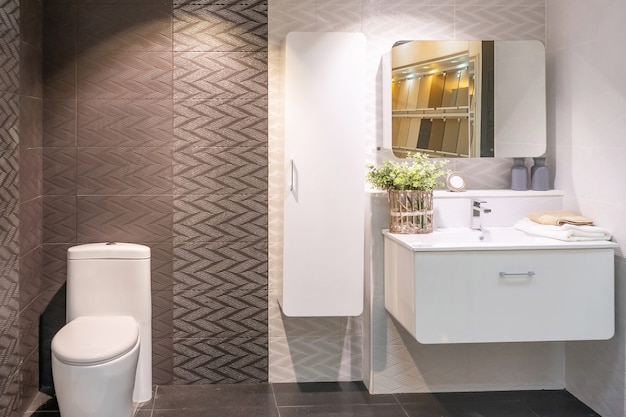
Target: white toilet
102	357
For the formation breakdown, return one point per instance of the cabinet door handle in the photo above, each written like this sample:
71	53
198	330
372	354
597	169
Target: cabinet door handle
517	274
291	180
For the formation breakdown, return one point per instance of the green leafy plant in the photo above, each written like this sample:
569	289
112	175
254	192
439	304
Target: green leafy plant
417	172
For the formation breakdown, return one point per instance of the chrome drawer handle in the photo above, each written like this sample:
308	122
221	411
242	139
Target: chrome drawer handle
516	274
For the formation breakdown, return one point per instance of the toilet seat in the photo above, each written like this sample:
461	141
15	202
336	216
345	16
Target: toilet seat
93	340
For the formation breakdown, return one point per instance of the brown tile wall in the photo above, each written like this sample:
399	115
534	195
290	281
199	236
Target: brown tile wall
9	208
21	204
155	132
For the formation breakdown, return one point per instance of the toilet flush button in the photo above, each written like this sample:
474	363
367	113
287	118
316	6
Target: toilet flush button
89	340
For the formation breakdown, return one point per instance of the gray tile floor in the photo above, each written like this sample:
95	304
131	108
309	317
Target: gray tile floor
349	399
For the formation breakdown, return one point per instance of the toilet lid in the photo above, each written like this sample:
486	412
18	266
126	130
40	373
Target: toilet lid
90	340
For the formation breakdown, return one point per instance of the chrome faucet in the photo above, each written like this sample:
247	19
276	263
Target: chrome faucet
477	211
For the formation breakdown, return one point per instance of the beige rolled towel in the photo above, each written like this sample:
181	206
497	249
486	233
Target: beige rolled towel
558	218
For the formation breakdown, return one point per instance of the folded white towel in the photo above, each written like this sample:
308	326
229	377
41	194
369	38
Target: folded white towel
566	232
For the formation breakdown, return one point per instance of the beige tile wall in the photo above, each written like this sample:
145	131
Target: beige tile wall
323	349
589	151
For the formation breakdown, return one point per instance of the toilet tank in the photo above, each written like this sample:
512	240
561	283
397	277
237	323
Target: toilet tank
109	279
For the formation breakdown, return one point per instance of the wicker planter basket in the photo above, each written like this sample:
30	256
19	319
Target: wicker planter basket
410	211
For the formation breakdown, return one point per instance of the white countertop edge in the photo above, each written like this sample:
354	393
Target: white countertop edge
484	193
496	193
540	243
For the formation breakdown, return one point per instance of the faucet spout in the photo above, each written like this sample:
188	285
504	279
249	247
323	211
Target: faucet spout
477	211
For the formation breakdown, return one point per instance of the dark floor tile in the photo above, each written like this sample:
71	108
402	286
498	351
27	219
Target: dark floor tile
148	405
555	403
344	399
426	409
546	395
434	398
327	393
498	395
49	406
345	386
465	404
344	410
490	409
429	404
560	408
462	397
228	411
203	397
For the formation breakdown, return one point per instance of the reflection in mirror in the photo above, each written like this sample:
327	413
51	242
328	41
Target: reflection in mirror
468	98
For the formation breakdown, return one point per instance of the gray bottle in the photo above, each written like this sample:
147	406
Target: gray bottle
539	175
519	175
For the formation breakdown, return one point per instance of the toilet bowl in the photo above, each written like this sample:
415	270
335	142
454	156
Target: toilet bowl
94	360
101	359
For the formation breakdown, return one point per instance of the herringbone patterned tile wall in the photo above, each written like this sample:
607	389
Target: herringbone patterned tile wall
156	133
31	200
21	203
220	180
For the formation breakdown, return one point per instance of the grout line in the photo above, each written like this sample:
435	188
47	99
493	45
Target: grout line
38	401
275	401
137	406
154	397
406	413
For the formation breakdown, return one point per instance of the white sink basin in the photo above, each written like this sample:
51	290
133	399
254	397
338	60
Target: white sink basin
490	238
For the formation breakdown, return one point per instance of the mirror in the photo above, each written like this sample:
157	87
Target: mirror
468	98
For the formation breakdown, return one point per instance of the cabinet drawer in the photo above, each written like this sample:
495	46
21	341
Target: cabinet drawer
511	296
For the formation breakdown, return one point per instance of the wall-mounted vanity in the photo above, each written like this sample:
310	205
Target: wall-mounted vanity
459	285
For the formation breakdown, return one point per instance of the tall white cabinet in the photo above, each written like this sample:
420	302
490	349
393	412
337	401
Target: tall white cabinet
324	171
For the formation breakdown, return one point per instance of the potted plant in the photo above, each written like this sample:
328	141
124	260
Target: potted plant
409	186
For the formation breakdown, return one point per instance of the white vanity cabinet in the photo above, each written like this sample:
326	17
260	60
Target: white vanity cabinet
490	294
325	174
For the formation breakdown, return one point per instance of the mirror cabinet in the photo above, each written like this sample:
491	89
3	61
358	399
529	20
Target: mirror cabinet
468	98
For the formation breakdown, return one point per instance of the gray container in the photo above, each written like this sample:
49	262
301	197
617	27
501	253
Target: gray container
519	175
539	175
